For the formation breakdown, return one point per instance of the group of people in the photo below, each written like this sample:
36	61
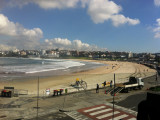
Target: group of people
104	84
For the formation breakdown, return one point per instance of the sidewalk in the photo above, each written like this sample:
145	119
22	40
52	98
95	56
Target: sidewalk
70	103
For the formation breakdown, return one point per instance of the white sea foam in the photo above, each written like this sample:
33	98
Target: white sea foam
32	65
40	65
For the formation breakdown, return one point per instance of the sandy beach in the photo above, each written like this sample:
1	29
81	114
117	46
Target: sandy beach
122	70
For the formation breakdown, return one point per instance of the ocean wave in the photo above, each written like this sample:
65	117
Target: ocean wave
36	65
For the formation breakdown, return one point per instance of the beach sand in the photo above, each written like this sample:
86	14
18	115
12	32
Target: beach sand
122	70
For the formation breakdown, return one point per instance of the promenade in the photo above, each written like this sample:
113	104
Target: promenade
83	105
24	107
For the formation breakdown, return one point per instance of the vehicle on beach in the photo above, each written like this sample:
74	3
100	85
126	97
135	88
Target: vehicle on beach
132	84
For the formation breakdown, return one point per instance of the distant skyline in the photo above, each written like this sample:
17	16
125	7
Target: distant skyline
113	25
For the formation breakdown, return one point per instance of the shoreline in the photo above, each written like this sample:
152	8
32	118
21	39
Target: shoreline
92	77
88	65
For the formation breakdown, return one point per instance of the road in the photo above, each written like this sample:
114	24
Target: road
132	101
134	98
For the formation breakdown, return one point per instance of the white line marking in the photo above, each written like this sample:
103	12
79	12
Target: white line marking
107	115
92	109
120	117
98	112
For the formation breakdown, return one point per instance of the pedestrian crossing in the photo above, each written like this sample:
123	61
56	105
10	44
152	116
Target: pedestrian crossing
105	112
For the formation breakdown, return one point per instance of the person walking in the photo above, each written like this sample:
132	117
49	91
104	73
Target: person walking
97	89
111	84
104	83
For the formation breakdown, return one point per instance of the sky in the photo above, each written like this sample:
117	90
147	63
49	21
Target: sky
110	25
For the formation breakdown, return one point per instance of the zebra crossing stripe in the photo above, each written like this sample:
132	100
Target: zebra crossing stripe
102	111
120	117
107	115
89	110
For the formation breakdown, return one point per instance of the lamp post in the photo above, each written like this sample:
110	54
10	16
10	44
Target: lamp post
113	97
37	97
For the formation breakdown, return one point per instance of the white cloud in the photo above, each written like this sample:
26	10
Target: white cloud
104	10
62	41
84	3
156	30
6	47
99	10
46	4
157	35
77	44
18	35
68	44
7	27
60	4
121	19
57	43
21	38
158	21
157	2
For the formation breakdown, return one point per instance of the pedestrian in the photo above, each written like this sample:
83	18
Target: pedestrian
104	83
97	89
111	84
77	82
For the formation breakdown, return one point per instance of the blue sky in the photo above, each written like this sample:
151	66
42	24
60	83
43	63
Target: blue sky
118	25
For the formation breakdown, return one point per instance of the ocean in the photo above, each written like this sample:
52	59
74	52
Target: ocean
26	66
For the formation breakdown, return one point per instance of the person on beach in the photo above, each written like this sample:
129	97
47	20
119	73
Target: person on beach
104	83
77	82
111	84
97	89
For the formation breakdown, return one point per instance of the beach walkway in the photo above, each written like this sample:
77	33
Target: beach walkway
25	107
83	105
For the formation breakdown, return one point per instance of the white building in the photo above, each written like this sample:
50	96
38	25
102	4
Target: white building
130	55
43	52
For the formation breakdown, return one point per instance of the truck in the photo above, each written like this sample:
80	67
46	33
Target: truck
133	83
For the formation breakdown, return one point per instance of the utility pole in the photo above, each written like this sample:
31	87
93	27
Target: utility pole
156	81
37	97
113	97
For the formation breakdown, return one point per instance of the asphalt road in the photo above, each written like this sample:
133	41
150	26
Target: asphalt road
136	97
132	101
